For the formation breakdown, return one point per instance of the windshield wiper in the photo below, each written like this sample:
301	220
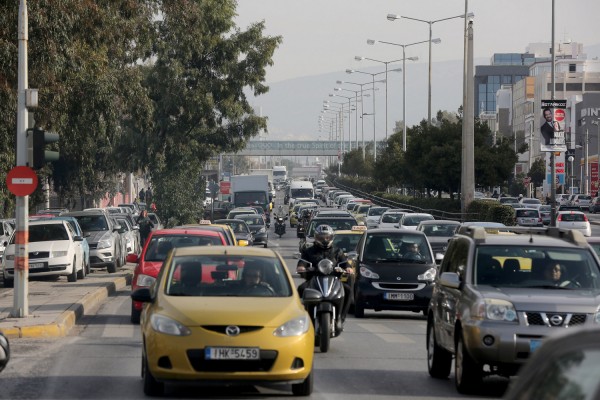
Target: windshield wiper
546	287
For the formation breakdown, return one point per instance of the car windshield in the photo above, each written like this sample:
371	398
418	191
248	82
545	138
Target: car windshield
253	219
46	233
337	224
439	230
413	220
346	242
532	267
397	247
224	275
376	211
391	218
91	223
159	246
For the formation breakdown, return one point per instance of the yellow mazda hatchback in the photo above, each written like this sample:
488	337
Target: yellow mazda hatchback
224	314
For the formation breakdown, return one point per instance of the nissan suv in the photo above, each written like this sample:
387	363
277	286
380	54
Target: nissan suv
498	295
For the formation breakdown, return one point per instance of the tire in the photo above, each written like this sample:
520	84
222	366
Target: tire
112	267
87	268
135	314
305	388
72	277
8	283
266	245
439	360
152	387
324	332
467	373
359	308
81	274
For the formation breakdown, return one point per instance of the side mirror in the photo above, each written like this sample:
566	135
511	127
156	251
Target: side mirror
132	258
78	238
311	297
450	279
142	295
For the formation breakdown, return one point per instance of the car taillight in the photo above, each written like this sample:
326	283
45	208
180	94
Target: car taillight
585	218
559	217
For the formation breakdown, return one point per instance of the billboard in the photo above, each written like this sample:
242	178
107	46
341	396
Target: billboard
552	126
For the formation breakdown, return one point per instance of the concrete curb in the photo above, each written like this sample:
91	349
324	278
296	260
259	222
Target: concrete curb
67	319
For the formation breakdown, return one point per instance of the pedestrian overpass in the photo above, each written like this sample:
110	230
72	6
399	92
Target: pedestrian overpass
261	148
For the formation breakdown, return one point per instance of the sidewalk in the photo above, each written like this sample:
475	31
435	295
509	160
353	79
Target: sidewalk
56	305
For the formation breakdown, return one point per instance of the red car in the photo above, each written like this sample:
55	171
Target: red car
157	246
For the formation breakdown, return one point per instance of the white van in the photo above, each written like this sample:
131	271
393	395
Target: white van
300	189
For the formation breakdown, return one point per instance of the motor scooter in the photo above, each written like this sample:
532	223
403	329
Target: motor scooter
280	225
4	351
324	299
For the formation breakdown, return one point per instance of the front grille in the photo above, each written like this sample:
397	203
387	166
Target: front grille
93	245
555	319
221	328
39	254
267	359
399	286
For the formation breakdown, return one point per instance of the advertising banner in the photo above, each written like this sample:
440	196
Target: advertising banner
552	126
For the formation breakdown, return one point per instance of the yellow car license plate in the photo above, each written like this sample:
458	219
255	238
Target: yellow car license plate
232	353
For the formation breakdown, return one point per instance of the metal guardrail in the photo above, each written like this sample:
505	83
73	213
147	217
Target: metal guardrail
438	214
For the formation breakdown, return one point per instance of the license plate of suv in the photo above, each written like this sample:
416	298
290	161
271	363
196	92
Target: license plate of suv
399	296
232	353
36	265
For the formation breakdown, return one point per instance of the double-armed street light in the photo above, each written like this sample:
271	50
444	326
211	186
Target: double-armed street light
404	58
349	115
352	71
394	17
360	58
362	95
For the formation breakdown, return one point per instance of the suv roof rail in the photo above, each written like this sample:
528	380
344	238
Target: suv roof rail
479	233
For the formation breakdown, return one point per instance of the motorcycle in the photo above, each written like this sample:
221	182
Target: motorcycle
4	351
280	225
324	299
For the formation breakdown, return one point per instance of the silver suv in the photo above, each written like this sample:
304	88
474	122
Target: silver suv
497	296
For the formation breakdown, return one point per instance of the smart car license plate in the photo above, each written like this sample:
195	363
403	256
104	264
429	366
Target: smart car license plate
232	353
399	296
36	265
534	344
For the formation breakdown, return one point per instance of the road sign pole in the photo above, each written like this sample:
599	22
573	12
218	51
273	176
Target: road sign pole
21	262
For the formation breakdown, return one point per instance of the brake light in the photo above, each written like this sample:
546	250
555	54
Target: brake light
559	217
585	218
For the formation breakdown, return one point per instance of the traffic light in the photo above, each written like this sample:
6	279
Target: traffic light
37	155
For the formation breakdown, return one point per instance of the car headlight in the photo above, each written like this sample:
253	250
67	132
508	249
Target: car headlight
262	230
144	280
597	317
295	327
367	273
55	254
168	326
428	275
105	242
495	310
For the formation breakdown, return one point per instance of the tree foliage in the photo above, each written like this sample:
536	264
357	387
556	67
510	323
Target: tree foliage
146	85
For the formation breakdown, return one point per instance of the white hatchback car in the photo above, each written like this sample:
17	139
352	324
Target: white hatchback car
54	249
390	219
412	220
574	220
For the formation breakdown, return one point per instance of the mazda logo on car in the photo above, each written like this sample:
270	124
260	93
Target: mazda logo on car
556	320
398	278
232	330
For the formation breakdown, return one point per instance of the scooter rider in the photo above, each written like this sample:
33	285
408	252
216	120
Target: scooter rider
323	249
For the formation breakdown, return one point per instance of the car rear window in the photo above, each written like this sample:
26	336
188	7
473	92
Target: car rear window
527	213
337	224
159	246
573	217
391	218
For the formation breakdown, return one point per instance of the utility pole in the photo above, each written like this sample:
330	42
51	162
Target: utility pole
21	262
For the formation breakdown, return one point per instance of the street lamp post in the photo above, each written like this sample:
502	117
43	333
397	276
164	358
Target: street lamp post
359	58
355	114
393	17
351	71
404	46
349	115
362	125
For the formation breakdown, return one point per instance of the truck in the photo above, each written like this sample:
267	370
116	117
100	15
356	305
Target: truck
250	190
279	174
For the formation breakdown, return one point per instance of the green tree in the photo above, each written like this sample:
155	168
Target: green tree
537	173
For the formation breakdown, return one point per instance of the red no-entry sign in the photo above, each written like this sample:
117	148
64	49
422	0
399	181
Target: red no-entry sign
21	181
559	115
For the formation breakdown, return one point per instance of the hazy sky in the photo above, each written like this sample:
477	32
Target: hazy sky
322	36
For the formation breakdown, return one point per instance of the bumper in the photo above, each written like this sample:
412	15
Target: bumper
181	359
58	266
373	298
260	238
101	257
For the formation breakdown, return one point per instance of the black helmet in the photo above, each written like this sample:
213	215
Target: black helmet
324	236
